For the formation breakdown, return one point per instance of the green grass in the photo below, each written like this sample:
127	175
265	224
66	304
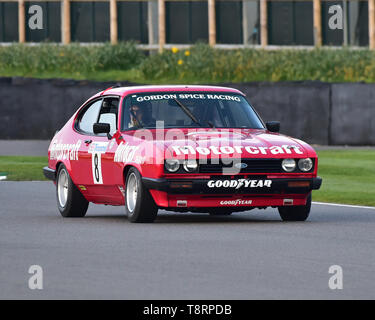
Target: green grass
71	61
199	64
22	168
348	175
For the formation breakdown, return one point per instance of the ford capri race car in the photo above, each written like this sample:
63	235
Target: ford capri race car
178	148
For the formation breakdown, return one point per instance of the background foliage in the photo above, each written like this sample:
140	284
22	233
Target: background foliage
199	64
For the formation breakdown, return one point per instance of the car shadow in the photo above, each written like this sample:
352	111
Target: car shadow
203	218
268	217
166	217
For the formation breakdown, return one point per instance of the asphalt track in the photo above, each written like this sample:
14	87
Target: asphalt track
250	255
24	147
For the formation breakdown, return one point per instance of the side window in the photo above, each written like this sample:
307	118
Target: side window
89	117
108	113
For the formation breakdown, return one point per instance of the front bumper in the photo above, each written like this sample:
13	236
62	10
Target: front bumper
200	186
200	198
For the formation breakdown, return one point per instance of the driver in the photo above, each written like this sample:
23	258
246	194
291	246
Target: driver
140	116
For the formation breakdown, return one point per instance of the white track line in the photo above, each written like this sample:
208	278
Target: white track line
343	205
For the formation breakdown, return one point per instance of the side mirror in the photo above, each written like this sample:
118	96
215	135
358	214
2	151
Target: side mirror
273	126
101	128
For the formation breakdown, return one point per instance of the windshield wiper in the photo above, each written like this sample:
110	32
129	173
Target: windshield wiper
210	124
188	112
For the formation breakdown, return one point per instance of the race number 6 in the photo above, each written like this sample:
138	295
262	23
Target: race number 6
96	163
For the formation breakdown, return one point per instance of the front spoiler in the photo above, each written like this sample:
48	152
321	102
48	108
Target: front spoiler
199	186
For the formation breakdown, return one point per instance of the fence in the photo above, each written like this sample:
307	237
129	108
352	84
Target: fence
158	24
322	113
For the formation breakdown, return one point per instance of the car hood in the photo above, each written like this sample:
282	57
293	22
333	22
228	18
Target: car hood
223	143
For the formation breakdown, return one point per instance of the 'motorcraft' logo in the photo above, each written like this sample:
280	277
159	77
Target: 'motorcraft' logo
236	184
219	150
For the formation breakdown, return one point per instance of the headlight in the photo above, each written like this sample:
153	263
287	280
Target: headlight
190	165
305	164
172	165
288	165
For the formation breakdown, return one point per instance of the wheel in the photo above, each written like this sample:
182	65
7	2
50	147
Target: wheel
296	213
139	204
220	212
70	201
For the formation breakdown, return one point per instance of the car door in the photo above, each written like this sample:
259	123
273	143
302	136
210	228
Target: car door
99	149
105	177
96	174
84	131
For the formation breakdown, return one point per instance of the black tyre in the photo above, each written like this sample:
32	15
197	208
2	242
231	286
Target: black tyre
296	213
70	201
139	204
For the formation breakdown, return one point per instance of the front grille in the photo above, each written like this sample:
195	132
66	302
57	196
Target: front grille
253	166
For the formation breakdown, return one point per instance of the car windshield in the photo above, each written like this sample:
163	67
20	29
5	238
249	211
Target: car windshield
188	110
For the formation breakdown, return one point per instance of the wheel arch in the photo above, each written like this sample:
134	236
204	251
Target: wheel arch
126	170
67	166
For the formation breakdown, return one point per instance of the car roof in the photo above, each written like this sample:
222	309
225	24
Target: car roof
123	91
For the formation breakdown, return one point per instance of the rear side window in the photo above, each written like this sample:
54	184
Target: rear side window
89	117
108	113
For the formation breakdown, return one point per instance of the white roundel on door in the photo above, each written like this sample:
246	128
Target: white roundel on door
97	149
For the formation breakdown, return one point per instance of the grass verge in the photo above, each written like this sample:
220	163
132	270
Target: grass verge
26	168
348	175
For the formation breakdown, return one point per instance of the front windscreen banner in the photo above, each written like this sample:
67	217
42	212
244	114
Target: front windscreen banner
189	110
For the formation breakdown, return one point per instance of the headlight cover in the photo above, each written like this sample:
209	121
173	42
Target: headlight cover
288	165
172	165
190	165
305	165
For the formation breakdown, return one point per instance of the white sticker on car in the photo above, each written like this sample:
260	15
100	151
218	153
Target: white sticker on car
239	183
97	149
64	151
219	150
126	153
237	202
96	163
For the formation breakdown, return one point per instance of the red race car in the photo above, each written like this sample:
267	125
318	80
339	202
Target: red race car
178	148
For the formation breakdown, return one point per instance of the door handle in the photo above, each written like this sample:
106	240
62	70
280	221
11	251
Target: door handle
88	141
